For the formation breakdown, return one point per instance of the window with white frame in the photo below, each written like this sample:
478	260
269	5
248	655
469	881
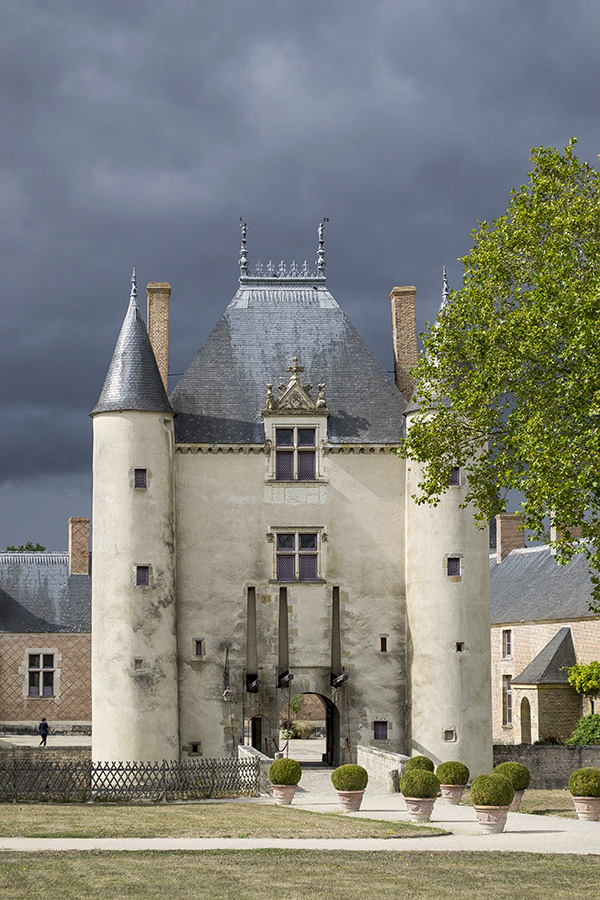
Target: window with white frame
40	675
507	643
297	555
295	454
507	706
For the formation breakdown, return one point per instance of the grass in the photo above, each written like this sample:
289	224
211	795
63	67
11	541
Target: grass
227	819
295	875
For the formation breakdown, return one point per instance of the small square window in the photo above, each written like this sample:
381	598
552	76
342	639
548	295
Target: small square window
138	663
142	576
380	731
286	542
140	478
306	437
460	647
453	565
449	734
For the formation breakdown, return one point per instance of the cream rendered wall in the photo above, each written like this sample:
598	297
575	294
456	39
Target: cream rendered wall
134	704
450	688
227	508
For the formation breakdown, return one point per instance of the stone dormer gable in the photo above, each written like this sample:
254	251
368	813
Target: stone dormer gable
294	398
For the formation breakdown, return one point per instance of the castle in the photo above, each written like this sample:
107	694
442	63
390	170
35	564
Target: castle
254	535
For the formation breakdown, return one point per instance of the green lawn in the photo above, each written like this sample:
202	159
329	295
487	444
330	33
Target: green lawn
297	875
225	819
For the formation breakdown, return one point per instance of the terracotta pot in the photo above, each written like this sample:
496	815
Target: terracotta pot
283	794
350	800
451	793
419	808
516	802
492	818
587	808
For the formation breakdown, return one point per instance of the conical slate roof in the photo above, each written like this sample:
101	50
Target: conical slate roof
133	380
270	320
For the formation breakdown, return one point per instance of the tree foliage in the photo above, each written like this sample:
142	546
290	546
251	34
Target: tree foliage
509	386
585	678
29	547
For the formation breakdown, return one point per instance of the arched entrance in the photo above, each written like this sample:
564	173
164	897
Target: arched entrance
315	726
525	721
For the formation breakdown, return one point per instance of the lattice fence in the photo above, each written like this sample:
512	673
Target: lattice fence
198	779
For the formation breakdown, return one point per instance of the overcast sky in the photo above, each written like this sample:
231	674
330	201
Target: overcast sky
137	133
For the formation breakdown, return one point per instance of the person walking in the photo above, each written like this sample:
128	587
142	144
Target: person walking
43	729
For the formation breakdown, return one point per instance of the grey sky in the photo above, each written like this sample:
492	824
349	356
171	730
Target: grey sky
139	133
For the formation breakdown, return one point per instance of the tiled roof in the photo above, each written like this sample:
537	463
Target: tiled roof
220	396
133	380
551	664
37	594
531	586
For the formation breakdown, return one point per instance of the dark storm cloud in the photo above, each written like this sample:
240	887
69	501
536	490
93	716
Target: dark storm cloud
138	133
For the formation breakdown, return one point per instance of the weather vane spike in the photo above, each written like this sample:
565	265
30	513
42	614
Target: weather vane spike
133	294
445	291
243	249
321	251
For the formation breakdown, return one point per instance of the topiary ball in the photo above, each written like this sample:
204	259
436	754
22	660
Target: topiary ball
452	773
585	782
419	783
491	790
349	778
285	771
517	774
419	762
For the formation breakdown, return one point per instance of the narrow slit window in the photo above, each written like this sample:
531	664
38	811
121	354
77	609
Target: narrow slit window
383	644
199	647
140	479
507	700
380	731
455	477
507	643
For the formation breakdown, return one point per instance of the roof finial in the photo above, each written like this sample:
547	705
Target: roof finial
243	250
445	292
321	251
133	294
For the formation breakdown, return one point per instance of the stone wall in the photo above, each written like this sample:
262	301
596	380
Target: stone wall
245	752
47	754
384	767
549	766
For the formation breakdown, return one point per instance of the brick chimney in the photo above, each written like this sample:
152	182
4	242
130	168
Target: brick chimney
158	294
79	546
509	535
404	335
555	534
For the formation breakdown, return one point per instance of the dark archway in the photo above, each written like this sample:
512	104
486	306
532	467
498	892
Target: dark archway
525	721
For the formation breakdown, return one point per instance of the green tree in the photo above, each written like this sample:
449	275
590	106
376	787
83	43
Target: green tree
585	678
509	385
29	547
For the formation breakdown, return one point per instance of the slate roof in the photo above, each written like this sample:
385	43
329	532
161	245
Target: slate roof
551	664
270	320
37	594
133	380
530	586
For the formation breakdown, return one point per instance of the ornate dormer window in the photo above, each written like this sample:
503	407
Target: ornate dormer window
295	428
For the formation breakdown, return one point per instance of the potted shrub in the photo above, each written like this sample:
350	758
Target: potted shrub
491	796
519	777
584	785
284	775
419	762
350	782
419	787
453	777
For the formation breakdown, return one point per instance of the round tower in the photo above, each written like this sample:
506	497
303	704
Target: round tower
448	622
134	649
448	627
